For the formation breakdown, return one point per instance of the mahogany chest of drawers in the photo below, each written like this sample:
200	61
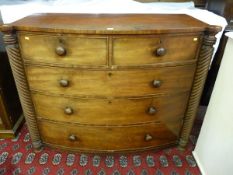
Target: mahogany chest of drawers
108	82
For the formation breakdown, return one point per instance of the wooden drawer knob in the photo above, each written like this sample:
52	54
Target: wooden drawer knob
68	111
148	137
152	110
64	83
60	50
73	137
156	83
160	51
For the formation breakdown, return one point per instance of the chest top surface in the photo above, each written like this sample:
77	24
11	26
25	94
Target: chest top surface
110	23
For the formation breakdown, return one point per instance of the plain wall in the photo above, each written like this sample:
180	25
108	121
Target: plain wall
214	149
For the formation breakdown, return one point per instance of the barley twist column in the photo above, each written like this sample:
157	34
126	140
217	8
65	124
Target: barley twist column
203	63
18	71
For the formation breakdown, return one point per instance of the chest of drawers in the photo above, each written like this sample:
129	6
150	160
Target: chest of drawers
107	83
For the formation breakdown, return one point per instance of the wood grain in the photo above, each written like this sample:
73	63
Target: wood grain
138	50
110	83
18	71
110	23
109	138
111	111
205	56
80	50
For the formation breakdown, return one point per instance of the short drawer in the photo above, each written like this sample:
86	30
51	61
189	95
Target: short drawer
111	111
90	138
63	49
132	51
132	82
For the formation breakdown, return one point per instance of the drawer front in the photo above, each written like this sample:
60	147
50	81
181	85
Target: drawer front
110	83
111	112
109	138
64	49
129	51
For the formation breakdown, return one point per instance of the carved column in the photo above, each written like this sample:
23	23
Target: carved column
203	64
18	71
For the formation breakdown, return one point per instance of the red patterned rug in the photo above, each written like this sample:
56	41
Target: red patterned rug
17	157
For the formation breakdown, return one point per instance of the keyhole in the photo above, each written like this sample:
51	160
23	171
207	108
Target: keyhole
61	41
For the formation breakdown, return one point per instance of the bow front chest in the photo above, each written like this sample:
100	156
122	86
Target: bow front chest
109	82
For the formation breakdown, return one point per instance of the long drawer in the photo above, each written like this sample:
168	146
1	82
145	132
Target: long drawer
143	50
111	111
90	138
134	82
64	49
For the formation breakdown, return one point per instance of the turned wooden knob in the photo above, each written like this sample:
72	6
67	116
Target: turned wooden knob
64	83
68	111
156	83
60	50
72	137
160	51
152	110
148	137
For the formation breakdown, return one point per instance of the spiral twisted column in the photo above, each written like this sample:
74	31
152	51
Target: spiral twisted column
18	71
203	63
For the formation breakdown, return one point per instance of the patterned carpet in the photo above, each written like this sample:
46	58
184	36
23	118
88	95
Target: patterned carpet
17	157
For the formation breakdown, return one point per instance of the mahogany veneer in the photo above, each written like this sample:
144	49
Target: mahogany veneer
109	82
